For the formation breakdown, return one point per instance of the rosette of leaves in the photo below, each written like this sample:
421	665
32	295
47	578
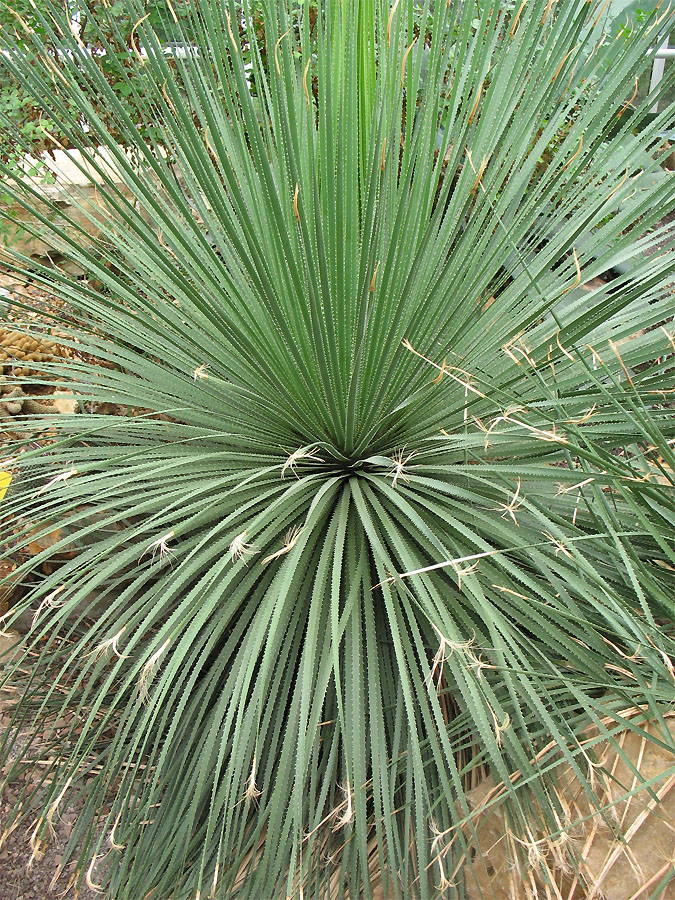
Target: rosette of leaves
391	507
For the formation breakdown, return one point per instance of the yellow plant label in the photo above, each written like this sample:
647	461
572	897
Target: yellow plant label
5	479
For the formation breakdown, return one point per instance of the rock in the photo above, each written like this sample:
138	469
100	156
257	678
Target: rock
65	402
9	283
9	582
7	641
669	161
71	268
43	540
610	869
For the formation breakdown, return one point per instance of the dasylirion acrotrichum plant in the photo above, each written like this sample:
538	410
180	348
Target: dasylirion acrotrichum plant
369	493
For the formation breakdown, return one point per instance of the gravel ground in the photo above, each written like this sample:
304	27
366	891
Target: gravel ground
18	880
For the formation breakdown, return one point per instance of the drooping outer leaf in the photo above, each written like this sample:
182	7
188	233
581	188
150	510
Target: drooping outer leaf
389	501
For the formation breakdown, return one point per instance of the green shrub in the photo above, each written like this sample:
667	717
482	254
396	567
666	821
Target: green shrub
391	504
22	113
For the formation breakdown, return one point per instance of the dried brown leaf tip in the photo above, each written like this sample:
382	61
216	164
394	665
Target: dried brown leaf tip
509	509
547	12
577	280
390	19
478	172
172	11
291	540
230	32
463	378
442	371
629	101
252	792
514	22
276	51
446	648
405	59
240	548
615	351
399	466
304	82
308	454
474	108
562	63
132	40
372	280
149	669
296	213
160	547
578	151
345	810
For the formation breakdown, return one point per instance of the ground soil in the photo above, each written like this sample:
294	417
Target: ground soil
21	878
